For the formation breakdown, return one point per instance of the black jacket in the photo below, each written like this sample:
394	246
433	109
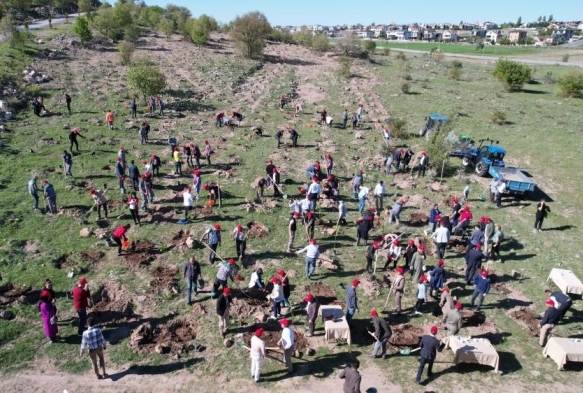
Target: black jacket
429	345
223	303
133	171
192	271
474	258
552	316
381	329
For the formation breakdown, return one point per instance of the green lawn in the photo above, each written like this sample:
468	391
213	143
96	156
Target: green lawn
459	48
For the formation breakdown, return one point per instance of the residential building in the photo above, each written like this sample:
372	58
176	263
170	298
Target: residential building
449	35
517	36
493	36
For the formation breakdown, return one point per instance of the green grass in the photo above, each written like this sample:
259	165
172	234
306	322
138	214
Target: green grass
459	48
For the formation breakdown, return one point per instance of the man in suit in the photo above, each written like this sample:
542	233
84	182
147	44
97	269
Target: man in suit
351	378
562	302
428	345
548	322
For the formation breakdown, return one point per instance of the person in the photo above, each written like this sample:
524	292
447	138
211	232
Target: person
323	115
68	102
33	191
354	120
219	119
465	218
226	271
73	139
441	237
429	345
369	254
356	183
474	259
312	254
542	209
49	288
387	135
155	163
293	134
351	300
134	107
237	116
120	174
329	162
50	196
142	132
177	156
133	203
342	212
362	197
344	118
482	286
455	211
466	194
256	280
278	136
81	300
493	187
499	192
423	163
452	319
287	342
394	254
398	288
382	333
223	307
551	317
188	202
109	119
496	240
94	341
562	302
314	192
99	200
488	233
446	301
276	298
388	164
417	262
213	239
437	278
207	152
396	211
151	104
410	250
48	313
362	230
359	114
160	106
421	295
292	226
67	163
257	353
312	307
118	235
379	193
275	179
134	174
145	192
351	378
477	236
282	102
434	216
240	241
191	275
286	288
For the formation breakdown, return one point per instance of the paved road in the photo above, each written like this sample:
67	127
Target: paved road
43	24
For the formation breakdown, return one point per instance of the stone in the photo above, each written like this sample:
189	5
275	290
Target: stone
85	232
228	343
142	298
162	348
6	314
189	242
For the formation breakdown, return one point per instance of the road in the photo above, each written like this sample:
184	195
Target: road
44	23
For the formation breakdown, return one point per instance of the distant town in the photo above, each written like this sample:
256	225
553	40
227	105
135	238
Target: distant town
538	33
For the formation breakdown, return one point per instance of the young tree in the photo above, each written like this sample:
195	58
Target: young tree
126	51
571	84
166	26
250	32
303	36
512	74
519	22
81	28
321	43
370	47
201	28
345	69
145	77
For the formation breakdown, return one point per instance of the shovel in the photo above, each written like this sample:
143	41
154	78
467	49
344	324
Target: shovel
482	196
388	297
284	196
408	351
242	344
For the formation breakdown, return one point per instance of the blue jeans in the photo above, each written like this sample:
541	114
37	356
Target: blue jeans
310	266
382	343
349	314
82	321
422	362
35	196
276	308
480	296
190	287
361	205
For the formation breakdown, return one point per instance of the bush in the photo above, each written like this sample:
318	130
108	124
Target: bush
166	26
512	74
303	37
571	85
498	117
345	66
81	28
405	88
386	51
437	56
456	64
566	58
455	74
548	78
401	56
249	33
398	128
281	36
321	43
370	47
407	77
126	51
145	77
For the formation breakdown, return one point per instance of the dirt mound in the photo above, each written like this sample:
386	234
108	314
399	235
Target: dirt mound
141	253
403	183
418	219
74	212
272	337
256	229
437	187
171	338
32	247
420	201
526	317
205	212
323	292
479	326
92	257
164	279
178	241
245	307
13	294
406	335
502	288
370	287
376	162
111	305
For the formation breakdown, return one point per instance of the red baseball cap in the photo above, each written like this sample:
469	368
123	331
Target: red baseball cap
226	291
82	281
284	322
217	227
259	332
355	282
231	261
400	270
374	313
433	329
309	297
313	241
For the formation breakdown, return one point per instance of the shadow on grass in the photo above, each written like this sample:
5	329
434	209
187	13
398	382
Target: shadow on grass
317	367
529	91
156	370
561	228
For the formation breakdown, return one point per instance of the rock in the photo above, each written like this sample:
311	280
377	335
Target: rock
142	298
260	317
6	314
359	135
228	343
311	351
189	242
162	348
85	232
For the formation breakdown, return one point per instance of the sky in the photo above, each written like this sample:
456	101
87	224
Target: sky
332	12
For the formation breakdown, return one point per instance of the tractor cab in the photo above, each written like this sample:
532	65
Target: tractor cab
432	124
492	155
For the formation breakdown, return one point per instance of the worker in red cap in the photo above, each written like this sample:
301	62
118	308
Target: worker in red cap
369	254
429	345
382	333
119	235
276	298
423	164
452	320
48	312
284	280
398	288
240	241
99	200
417	262
223	307
482	286
329	162
446	301
455	212
465	220
237	116
207	152
312	307
155	163
421	295
437	278
287	342
310	223
291	230
81	300
474	258
551	317
226	271
394	254
257	352
212	236
410	250
351	300
312	253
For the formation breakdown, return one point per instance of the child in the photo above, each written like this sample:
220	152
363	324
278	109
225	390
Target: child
466	194
421	294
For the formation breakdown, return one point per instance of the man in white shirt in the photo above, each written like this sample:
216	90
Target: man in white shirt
287	342
342	211
257	354
188	202
256	280
362	195
314	193
441	237
379	193
305	205
499	192
296	205
312	254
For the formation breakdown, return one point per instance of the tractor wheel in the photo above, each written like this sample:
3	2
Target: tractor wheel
481	169
466	161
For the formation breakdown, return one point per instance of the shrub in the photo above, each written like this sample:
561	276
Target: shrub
126	51
386	51
145	77
81	28
512	74
407	77
405	88
548	78
249	33
437	56
320	43
455	74
566	58
456	64
401	56
370	47
498	117
398	128
345	66
571	85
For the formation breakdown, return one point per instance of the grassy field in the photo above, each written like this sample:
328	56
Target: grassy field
542	137
459	48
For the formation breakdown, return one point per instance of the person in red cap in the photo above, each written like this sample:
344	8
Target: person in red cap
312	313
287	342
312	254
207	152
394	254
369	254
213	239
423	164
351	300
550	318
329	162
482	286
421	295
48	312
455	212
81	300
474	258
240	241
382	333
446	301
291	230
417	262
99	200
109	119
284	280
437	278
452	320
410	250
276	298
226	271
237	116
155	163
398	288
465	220
429	345
257	352
73	139
119	235
223	307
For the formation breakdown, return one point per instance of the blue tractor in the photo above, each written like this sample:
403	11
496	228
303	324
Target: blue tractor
433	122
482	157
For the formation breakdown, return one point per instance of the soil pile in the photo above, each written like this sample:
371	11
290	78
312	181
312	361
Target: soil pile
141	253
178	241
418	219
111	305
205	212
479	326
164	279
171	338
255	303
370	287
11	294
526	317
406	335
323	292
420	201
72	212
91	257
256	229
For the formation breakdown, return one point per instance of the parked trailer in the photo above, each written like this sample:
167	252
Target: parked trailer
516	181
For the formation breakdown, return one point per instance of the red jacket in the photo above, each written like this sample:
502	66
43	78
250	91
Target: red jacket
120	232
80	298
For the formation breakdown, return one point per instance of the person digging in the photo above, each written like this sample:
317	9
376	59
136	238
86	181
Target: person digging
226	271
99	200
118	235
223	307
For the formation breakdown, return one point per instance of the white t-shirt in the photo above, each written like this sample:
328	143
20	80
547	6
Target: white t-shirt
287	337
188	201
363	192
257	347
